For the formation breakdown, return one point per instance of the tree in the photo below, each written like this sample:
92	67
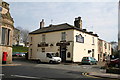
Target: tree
23	34
114	48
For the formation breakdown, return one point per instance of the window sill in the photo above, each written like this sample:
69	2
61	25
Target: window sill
79	42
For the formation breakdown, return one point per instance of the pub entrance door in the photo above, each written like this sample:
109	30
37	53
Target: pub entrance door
63	53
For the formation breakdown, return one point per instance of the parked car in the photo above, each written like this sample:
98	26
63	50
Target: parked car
15	54
19	54
114	63
89	60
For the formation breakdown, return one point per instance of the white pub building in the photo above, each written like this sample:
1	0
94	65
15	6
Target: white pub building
69	42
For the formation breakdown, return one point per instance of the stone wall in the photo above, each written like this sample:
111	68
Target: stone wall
8	24
9	51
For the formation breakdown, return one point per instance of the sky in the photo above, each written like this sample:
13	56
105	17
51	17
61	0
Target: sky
98	16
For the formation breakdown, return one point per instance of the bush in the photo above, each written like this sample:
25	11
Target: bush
20	49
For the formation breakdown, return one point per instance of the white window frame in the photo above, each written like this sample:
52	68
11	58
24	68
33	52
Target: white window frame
43	37
63	36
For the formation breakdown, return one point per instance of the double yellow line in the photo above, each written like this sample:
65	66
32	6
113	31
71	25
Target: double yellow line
86	74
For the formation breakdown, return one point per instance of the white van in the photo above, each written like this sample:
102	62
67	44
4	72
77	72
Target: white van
49	57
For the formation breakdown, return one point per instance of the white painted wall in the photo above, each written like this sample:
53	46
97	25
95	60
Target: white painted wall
0	33
81	49
107	50
77	50
51	38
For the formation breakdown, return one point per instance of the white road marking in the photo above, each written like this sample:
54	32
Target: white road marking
102	70
1	74
30	77
84	67
25	76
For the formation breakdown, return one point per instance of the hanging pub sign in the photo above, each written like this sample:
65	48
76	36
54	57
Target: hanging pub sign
79	38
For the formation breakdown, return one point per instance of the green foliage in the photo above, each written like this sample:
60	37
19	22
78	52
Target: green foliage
116	53
20	49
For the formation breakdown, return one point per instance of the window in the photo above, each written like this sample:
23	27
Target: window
31	39
100	54
5	40
105	45
49	55
43	49
100	44
43	37
30	53
79	38
57	54
4	35
68	54
92	52
93	41
63	37
109	46
8	37
89	51
0	8
105	54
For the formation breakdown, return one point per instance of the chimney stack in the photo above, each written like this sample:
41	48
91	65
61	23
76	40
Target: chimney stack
42	24
78	22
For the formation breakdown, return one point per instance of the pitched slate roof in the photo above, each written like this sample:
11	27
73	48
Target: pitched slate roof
60	27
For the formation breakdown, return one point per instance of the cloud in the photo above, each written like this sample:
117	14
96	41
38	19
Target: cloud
61	0
102	16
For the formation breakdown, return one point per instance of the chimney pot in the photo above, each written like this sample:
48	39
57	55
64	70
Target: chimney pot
79	18
42	24
78	22
76	19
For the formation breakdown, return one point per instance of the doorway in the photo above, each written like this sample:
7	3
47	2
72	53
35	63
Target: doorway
63	53
98	57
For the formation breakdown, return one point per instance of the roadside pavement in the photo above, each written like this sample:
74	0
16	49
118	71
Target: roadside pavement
13	64
102	73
